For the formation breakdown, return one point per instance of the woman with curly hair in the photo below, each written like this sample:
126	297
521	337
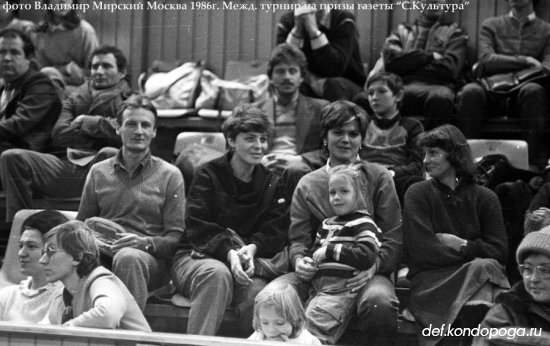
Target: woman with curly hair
454	237
65	41
93	297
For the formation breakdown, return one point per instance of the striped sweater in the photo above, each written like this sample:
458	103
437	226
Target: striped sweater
352	239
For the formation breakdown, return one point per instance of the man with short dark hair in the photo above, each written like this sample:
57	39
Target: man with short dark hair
143	194
29	105
85	130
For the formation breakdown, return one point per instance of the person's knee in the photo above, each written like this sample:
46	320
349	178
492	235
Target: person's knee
12	158
128	258
441	95
532	92
471	91
378	309
215	274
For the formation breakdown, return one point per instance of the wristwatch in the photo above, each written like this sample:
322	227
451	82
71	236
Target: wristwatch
149	248
463	246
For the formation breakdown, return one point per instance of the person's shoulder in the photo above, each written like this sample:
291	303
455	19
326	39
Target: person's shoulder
103	166
164	166
496	21
320	103
87	28
420	187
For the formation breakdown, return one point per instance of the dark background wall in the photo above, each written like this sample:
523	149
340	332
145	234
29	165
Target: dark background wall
218	36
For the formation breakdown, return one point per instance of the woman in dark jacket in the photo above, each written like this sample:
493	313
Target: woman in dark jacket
522	315
454	237
236	218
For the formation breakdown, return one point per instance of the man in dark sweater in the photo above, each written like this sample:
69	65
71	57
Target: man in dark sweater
29	105
329	40
510	43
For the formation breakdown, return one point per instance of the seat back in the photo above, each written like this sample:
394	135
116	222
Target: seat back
11	270
514	150
213	140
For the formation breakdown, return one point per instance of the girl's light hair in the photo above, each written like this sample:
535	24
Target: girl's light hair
286	301
354	175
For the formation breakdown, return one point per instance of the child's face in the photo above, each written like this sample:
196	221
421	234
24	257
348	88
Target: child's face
341	195
274	326
381	99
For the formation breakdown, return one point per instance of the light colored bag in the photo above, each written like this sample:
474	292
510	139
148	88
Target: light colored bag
220	94
174	89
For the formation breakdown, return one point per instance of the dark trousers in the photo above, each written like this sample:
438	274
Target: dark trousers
530	103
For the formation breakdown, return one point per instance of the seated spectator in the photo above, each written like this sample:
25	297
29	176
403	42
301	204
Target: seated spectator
345	243
236	218
29	105
65	41
429	55
86	129
294	116
392	140
153	202
93	297
526	305
30	301
499	52
343	129
538	213
279	316
329	40
10	19
454	238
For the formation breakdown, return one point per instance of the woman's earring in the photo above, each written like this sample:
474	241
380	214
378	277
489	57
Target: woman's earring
324	143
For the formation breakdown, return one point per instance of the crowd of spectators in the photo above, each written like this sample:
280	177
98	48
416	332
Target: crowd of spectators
328	187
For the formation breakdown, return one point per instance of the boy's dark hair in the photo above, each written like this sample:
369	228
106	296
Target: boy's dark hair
392	81
44	221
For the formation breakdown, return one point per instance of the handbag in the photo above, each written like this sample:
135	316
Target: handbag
506	83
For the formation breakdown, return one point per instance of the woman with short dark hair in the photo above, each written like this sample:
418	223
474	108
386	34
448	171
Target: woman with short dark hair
454	237
236	217
93	296
343	129
30	301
